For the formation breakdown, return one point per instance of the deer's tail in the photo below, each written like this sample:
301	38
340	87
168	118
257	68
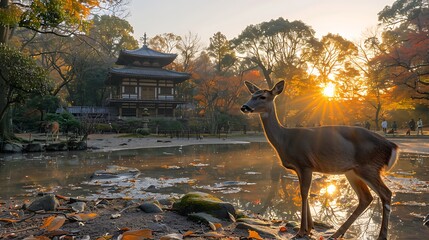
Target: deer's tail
393	158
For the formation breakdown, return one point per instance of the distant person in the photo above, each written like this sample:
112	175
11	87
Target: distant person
420	126
394	126
384	126
367	125
412	124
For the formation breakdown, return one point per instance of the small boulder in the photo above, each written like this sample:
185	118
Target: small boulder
203	202
203	217
56	147
33	147
78	206
11	148
150	207
75	145
46	203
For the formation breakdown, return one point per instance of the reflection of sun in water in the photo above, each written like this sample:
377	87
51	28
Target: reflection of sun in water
331	189
329	90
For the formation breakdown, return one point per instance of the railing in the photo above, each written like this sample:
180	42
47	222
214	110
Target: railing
135	97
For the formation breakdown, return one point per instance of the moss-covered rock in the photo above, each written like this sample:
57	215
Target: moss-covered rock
194	202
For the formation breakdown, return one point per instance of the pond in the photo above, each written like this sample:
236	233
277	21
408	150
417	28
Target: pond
247	175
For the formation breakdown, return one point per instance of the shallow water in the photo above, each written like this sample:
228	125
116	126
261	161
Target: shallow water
247	175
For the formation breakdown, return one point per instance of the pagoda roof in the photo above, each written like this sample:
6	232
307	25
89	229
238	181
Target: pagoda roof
127	57
147	73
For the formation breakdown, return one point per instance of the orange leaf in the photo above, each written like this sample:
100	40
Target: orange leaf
188	233
255	235
36	238
53	223
283	229
137	234
8	220
82	217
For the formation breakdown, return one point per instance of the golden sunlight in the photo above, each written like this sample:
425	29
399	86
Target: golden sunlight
329	90
331	189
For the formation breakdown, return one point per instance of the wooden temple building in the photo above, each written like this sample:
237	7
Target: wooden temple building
141	82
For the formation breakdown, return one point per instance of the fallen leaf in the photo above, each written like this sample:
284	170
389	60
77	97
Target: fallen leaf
115	215
213	235
8	220
106	237
172	236
254	235
212	226
53	223
231	217
158	218
283	229
36	238
188	233
137	234
82	216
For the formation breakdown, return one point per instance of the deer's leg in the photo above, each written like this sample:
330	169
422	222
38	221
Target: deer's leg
305	177
373	179
364	196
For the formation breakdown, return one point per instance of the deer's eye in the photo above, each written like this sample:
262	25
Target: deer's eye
262	97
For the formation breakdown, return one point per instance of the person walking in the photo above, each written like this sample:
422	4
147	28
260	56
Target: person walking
420	126
384	126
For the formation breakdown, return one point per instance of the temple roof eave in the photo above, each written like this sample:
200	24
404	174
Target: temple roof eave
147	73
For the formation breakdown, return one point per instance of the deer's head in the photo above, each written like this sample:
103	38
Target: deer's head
262	99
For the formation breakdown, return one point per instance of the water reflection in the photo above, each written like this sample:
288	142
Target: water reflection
249	175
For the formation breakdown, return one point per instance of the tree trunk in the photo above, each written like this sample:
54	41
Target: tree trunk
5	120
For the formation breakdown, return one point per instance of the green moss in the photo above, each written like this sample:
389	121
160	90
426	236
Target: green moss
202	202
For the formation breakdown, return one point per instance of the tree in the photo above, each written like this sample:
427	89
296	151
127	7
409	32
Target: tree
19	76
220	49
57	17
406	46
278	46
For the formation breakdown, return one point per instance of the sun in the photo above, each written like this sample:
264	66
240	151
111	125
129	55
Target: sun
329	90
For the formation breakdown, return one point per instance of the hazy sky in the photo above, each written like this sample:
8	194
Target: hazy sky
349	18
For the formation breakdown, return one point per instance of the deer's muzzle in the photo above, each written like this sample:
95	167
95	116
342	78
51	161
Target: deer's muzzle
246	109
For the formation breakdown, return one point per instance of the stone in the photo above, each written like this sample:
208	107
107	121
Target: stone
56	147
11	148
78	206
46	203
254	221
203	202
150	207
166	201
203	217
77	146
33	147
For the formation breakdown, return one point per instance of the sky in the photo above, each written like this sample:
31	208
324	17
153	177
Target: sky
349	18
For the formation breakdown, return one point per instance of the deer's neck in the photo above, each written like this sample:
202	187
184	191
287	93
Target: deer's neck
272	127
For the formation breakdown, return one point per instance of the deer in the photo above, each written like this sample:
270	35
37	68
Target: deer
52	131
361	155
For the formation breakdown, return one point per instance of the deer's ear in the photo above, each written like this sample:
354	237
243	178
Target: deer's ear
251	87
278	88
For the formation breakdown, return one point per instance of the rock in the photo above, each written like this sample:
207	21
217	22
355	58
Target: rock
78	146
11	148
166	201
264	231
47	203
56	147
33	147
203	202
114	171
78	206
172	236
150	207
203	217
254	221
